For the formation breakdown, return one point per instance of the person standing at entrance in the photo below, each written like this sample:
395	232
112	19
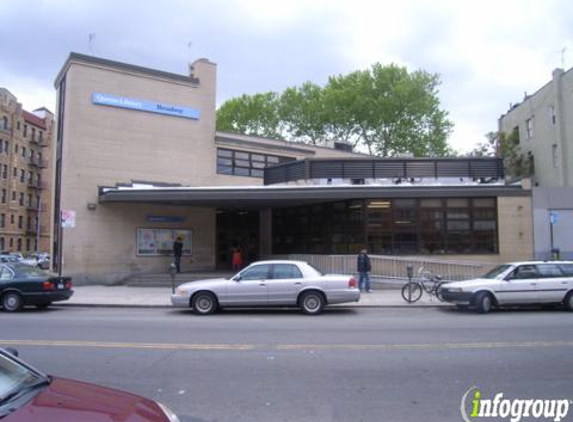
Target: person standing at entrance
177	252
363	266
237	258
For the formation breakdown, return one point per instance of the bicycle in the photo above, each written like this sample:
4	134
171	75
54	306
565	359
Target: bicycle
427	281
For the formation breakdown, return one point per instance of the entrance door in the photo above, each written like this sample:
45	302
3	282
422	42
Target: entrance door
237	229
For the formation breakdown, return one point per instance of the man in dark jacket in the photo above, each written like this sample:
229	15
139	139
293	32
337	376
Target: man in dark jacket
364	267
177	252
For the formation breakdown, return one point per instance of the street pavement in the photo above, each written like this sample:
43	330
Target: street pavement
348	364
129	296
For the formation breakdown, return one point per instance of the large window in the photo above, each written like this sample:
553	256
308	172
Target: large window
241	163
406	226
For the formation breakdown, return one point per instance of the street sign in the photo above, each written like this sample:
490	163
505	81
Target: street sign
553	218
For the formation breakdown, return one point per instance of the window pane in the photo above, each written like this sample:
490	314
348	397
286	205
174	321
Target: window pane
224	153
431	203
257	173
225	161
258	272
257	157
239	171
242	163
242	155
224	169
549	271
457	203
484	202
272	159
282	271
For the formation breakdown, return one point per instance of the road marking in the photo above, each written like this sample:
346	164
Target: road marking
286	347
426	346
125	345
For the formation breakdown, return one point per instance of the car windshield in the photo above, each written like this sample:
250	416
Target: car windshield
14	377
497	272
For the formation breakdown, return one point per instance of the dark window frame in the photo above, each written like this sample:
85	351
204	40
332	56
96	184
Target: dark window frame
246	163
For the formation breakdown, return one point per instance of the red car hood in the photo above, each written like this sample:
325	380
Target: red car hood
74	401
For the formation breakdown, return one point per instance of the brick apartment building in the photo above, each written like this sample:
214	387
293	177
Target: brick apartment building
25	176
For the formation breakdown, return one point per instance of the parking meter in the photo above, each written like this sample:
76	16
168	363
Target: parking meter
172	271
410	271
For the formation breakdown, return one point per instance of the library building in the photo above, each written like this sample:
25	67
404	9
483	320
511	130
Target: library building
139	162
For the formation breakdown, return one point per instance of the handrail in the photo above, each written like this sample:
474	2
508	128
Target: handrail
392	267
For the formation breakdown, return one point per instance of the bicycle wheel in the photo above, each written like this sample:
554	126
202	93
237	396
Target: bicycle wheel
411	292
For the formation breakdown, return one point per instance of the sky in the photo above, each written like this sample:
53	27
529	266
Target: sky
487	53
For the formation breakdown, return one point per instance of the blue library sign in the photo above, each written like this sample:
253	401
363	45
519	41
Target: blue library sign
144	105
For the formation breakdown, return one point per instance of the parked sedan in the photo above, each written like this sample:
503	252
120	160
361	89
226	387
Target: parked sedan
269	283
22	285
27	395
518	283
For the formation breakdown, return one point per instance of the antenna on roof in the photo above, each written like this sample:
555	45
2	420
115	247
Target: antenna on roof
91	38
563	57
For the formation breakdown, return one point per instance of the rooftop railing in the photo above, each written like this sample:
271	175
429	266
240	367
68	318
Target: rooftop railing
397	169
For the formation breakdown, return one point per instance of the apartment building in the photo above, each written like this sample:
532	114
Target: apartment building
543	125
25	175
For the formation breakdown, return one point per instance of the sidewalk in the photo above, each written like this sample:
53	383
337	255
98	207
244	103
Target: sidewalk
159	297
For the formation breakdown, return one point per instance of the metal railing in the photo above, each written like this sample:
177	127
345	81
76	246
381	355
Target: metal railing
386	168
391	267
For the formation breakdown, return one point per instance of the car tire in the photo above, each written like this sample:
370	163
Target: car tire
12	302
312	303
204	303
483	302
568	302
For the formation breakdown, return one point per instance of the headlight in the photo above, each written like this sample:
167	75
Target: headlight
172	417
181	292
454	289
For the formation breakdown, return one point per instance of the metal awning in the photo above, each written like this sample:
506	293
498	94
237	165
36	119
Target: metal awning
283	196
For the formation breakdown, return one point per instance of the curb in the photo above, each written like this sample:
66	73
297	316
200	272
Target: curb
129	306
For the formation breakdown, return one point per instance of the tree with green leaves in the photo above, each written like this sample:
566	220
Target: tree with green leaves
385	110
500	144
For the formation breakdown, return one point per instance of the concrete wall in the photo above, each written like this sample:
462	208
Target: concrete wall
560	201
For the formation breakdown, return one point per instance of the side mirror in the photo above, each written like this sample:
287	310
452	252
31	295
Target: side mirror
237	278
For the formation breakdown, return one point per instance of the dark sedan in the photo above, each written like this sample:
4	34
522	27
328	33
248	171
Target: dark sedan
22	285
27	395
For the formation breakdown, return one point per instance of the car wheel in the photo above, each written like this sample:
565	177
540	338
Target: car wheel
312	303
569	301
204	303
12	302
483	302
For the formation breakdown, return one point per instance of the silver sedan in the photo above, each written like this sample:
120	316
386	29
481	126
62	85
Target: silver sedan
269	283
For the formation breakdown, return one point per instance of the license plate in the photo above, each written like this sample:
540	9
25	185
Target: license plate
60	286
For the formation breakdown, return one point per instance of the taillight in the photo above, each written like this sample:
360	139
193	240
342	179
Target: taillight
69	285
47	285
352	283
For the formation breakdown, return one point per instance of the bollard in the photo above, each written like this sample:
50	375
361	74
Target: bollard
172	271
556	254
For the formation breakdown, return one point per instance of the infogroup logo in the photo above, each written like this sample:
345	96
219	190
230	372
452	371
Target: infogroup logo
474	408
